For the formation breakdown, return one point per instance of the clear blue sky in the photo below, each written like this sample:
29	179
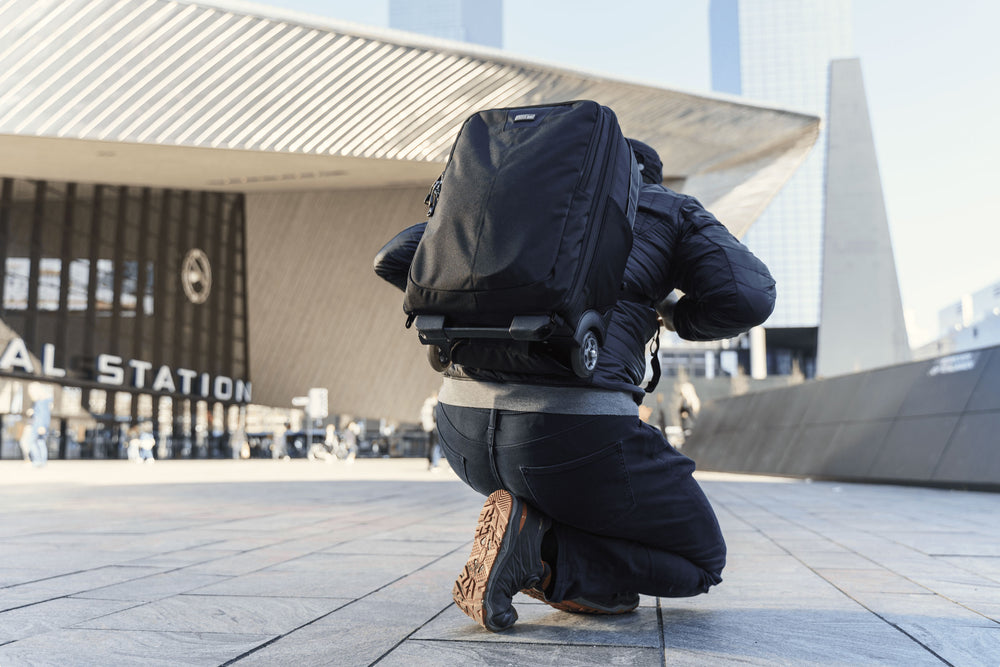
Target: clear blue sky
932	74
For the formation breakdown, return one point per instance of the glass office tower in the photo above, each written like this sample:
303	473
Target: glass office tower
476	21
779	52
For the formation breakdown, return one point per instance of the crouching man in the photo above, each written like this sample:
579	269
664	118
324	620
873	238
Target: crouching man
588	506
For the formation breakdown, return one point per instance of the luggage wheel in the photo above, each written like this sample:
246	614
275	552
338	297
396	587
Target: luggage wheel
439	357
584	356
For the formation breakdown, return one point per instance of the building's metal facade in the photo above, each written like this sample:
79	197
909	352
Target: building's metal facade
112	290
321	139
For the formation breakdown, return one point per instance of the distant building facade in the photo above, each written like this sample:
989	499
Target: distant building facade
971	308
188	191
130	302
781	51
475	21
970	323
782	56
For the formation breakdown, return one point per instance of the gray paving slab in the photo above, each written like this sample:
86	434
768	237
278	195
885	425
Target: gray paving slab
421	653
353	575
371	627
786	637
154	587
184	557
53	587
51	557
391	547
984	566
40	618
10	576
217	613
73	648
359	633
540	624
224	541
299	563
276	583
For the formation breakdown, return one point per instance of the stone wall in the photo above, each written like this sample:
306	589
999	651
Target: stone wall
934	421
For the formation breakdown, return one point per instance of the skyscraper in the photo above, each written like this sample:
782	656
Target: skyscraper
779	51
476	21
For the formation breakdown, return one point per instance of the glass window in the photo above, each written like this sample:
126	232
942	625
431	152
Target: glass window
101	268
79	278
105	293
17	274
130	279
49	269
147	295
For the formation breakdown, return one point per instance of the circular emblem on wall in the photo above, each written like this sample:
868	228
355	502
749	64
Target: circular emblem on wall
196	276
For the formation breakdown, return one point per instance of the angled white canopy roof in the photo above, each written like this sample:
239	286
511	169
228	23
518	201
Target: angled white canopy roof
245	97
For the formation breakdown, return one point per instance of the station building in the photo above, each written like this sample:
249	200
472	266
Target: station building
191	195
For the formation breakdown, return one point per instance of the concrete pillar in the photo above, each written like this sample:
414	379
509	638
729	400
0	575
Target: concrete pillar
861	313
758	353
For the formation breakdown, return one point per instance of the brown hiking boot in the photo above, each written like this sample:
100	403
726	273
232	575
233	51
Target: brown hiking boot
506	557
618	603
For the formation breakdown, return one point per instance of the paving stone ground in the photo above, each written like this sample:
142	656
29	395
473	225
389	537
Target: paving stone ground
306	563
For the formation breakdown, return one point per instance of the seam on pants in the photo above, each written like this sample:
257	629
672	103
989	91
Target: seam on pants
491	435
561	433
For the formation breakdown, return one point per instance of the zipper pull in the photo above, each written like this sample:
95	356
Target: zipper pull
431	199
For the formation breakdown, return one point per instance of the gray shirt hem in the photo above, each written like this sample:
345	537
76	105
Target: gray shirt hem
536	398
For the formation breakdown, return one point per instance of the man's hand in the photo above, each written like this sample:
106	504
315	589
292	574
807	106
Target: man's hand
665	309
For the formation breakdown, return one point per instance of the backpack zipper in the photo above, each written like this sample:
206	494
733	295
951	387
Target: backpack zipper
602	196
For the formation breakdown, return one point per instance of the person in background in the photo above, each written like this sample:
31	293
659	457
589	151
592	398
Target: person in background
689	408
147	443
34	439
660	414
350	438
132	448
429	424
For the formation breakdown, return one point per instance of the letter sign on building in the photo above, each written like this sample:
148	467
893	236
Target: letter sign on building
113	370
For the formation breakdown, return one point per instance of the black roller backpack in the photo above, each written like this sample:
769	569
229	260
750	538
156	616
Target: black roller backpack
529	228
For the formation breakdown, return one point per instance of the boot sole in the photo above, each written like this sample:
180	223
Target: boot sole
470	587
577	608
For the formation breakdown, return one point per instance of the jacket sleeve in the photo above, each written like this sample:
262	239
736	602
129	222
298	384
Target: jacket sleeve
727	290
392	263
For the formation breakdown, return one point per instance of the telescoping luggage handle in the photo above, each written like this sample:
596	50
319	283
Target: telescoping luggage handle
432	331
587	338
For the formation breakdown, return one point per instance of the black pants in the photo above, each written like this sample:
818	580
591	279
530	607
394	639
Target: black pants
628	516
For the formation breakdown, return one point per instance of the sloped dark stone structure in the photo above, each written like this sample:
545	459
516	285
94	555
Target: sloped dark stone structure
929	422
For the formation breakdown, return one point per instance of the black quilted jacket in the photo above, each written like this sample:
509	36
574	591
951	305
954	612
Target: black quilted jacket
677	244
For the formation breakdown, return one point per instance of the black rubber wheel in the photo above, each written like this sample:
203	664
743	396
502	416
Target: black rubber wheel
439	357
584	356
